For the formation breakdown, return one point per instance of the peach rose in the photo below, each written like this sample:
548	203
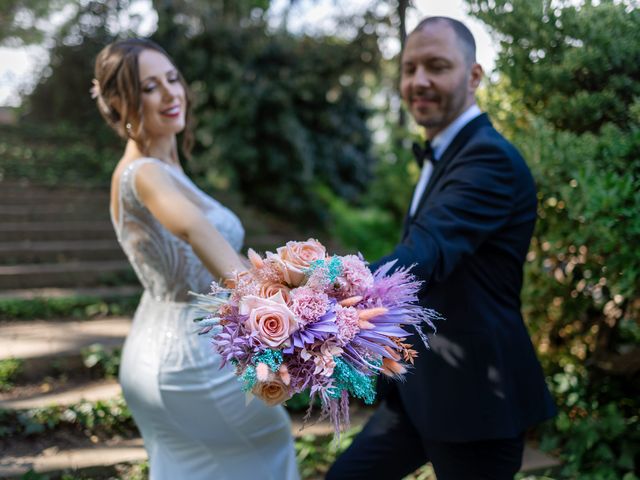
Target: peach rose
273	391
298	256
269	289
269	317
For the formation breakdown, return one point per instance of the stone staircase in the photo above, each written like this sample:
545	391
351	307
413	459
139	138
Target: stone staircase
59	242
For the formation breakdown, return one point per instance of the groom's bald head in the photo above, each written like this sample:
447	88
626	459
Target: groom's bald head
464	36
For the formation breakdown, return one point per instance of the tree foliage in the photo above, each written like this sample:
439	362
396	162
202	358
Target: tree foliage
571	91
577	64
62	93
19	20
279	114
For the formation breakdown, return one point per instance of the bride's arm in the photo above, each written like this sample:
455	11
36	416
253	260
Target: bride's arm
168	204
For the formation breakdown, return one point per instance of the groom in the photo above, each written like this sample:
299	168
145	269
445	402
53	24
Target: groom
468	401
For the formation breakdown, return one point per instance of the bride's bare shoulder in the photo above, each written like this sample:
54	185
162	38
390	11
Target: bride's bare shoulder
119	169
121	166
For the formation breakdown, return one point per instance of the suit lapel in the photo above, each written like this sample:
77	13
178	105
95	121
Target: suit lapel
458	142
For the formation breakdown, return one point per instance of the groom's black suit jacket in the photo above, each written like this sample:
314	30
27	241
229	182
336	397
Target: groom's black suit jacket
468	240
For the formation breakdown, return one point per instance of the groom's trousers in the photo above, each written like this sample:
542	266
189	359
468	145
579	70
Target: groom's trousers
389	447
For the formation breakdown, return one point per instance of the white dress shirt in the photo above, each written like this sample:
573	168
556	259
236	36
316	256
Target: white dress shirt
438	145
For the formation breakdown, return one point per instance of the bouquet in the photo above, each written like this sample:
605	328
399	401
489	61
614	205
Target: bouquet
299	319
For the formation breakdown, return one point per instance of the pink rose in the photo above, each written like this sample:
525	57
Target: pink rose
269	317
298	256
272	391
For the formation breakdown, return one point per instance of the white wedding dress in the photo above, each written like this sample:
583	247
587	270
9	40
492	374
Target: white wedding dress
192	415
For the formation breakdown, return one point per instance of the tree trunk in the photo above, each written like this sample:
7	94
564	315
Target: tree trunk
402	15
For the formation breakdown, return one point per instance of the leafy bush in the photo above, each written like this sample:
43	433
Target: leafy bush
316	453
72	307
107	361
572	107
371	231
104	417
372	224
56	154
279	114
9	370
600	444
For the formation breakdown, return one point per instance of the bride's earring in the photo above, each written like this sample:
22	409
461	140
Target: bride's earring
129	129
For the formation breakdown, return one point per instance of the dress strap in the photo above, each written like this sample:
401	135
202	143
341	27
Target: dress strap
127	194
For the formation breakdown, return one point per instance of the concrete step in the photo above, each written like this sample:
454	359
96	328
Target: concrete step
12	192
93	458
49	348
49	208
62	212
534	460
46	341
51	230
91	392
27	251
68	274
29	198
105	293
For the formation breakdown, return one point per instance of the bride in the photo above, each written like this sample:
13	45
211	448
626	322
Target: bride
193	416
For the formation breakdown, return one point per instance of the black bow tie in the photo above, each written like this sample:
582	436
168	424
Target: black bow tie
422	154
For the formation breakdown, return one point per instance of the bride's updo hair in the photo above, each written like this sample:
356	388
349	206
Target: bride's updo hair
117	90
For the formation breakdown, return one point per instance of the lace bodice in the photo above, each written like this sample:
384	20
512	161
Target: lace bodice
166	265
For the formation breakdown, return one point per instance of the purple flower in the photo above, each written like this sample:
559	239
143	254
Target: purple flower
233	341
311	333
399	288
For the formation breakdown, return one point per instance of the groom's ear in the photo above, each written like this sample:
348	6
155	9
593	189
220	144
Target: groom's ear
475	76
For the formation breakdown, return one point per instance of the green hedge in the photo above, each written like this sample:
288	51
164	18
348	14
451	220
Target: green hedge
54	155
72	307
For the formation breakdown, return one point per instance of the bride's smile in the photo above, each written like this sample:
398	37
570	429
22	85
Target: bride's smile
163	96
